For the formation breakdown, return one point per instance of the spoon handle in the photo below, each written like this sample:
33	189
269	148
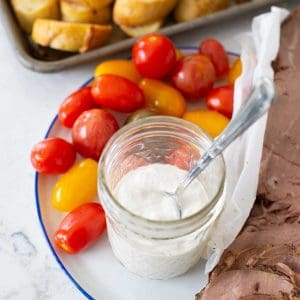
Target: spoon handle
258	103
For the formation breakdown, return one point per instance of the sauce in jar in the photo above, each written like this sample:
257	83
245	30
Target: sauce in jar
136	168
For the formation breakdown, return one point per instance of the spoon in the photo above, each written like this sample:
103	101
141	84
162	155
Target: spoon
259	101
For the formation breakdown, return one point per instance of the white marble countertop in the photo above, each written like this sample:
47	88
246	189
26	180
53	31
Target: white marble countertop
28	103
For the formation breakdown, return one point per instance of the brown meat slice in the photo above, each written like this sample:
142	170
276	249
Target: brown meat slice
236	284
264	260
283	259
261	297
280	167
268	234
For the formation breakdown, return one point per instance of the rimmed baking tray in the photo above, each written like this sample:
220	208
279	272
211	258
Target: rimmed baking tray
118	42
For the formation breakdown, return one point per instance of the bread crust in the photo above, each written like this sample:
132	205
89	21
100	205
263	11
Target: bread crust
82	12
141	12
95	4
143	29
187	10
27	11
72	37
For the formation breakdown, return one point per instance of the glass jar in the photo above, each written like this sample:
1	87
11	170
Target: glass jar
150	248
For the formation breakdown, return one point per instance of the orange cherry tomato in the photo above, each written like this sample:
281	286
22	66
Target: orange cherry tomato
211	121
80	227
216	52
221	99
75	187
163	98
235	71
122	67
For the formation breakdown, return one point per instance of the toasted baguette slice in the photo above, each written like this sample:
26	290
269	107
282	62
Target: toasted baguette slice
142	30
27	11
141	12
72	37
73	11
96	4
190	9
241	1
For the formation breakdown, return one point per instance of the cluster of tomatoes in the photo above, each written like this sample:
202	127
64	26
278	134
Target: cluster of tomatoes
158	80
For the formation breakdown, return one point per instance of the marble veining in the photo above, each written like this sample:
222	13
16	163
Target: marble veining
22	244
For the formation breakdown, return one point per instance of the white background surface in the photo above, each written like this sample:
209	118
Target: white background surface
28	102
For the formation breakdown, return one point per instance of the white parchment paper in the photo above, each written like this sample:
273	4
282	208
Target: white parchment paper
258	49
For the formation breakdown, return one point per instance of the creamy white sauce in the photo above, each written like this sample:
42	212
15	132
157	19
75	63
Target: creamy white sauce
142	191
156	259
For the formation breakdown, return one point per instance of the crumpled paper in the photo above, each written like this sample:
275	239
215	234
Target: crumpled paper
258	49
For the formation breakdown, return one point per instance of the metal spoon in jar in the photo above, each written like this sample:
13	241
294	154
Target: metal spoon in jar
258	103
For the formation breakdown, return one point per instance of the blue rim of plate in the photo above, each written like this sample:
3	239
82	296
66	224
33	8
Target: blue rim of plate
37	200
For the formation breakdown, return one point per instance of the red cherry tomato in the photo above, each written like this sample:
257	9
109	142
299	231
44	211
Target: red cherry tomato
74	105
194	76
216	52
221	100
154	56
53	156
91	131
80	227
117	93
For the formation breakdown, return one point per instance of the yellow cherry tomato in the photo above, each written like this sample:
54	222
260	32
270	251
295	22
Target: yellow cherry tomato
178	53
122	67
211	121
77	186
235	71
163	98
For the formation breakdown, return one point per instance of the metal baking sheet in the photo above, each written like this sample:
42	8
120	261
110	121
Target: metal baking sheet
118	42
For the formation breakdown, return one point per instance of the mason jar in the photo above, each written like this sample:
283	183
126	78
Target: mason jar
153	248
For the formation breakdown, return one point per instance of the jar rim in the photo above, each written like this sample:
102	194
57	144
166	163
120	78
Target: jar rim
103	186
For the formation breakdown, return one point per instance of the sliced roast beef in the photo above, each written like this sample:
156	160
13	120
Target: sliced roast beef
236	284
280	167
264	260
278	259
266	235
261	297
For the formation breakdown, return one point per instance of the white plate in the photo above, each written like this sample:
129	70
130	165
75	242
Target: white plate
95	271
